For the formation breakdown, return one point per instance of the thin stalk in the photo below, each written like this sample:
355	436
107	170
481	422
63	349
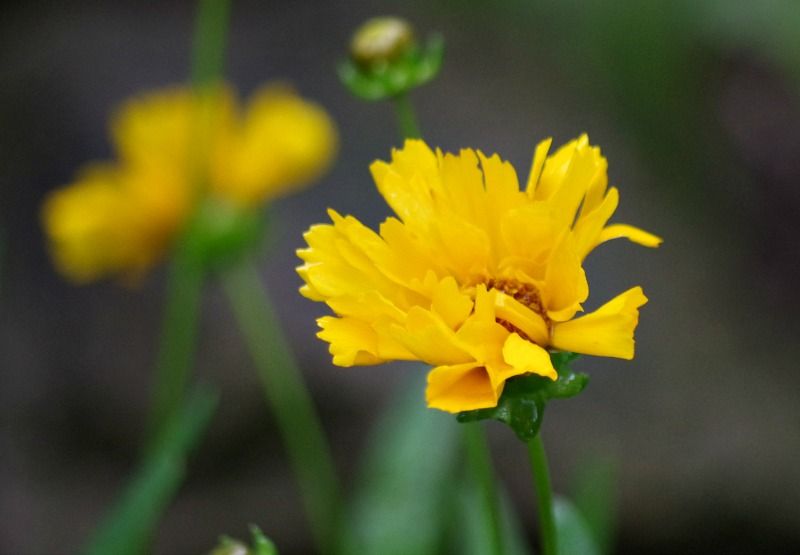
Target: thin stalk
406	118
185	282
208	46
544	495
481	466
288	397
178	340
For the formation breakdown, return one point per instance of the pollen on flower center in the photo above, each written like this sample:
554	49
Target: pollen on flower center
525	293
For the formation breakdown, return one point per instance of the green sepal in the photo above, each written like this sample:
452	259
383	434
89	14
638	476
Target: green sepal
521	406
388	79
220	233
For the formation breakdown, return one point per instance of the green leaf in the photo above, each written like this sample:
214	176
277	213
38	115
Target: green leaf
129	527
402	494
574	535
594	494
521	406
472	537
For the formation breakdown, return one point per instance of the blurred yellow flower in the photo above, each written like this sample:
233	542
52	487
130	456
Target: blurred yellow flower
174	148
474	276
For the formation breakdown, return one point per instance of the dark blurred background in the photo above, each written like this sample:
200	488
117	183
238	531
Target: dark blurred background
696	106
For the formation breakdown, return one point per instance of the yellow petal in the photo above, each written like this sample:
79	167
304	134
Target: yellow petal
565	286
521	317
588	227
527	358
429	338
539	157
352	342
586	167
450	303
634	234
460	387
608	331
282	142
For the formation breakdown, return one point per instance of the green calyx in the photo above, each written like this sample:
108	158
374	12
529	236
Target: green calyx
220	233
386	61
521	406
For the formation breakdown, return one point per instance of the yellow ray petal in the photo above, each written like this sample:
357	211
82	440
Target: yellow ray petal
352	341
539	157
608	331
634	234
450	303
521	317
525	357
460	387
565	286
588	227
429	338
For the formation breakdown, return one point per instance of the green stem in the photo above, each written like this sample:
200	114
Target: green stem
179	327
406	118
178	340
544	495
208	47
291	404
129	527
481	465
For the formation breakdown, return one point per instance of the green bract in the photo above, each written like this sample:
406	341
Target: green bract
384	79
522	403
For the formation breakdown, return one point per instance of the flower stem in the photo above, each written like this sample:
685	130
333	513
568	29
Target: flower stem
544	495
406	119
178	340
481	465
287	395
208	48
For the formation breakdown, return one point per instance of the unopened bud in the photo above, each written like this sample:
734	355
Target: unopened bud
381	40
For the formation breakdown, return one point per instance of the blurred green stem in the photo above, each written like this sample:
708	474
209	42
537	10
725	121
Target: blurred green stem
287	395
480	463
178	339
406	119
129	527
186	275
544	495
208	48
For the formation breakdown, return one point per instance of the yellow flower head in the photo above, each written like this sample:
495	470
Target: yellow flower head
475	276
175	147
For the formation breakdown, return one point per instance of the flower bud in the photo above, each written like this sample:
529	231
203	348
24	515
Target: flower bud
381	40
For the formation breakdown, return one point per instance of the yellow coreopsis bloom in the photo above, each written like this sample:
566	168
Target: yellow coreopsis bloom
475	276
175	147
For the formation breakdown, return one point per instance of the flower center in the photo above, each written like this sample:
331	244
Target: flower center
525	293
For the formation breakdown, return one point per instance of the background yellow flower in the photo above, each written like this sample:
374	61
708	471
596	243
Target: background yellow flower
175	147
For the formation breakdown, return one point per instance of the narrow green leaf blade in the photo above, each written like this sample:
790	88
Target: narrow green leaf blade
574	535
403	489
594	495
129	527
472	537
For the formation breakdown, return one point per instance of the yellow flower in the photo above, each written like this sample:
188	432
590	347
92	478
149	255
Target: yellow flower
174	148
474	276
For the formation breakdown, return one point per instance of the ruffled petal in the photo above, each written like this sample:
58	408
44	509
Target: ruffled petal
460	387
525	357
353	342
608	331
